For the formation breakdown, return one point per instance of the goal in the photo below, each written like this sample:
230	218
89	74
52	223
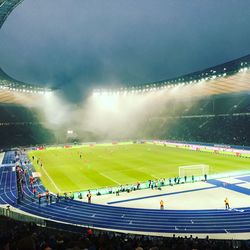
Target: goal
195	170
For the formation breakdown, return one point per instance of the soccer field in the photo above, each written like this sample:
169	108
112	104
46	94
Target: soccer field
77	169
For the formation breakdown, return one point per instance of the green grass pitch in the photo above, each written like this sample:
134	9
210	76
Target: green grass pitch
101	166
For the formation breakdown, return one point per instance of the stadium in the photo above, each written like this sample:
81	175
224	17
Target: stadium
156	165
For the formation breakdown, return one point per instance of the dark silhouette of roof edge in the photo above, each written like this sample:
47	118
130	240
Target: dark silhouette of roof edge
228	68
6	7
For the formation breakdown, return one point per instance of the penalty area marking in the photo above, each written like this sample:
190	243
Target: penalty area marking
58	190
104	175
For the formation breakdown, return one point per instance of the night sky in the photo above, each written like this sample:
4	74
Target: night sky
78	45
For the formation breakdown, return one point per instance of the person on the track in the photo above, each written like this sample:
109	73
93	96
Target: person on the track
226	203
89	197
161	204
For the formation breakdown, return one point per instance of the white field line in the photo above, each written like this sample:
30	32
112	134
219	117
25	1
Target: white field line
109	178
51	180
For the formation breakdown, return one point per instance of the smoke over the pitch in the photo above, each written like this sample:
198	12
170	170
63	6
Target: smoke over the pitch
130	115
111	116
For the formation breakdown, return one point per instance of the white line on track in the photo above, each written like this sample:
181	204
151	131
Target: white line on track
25	205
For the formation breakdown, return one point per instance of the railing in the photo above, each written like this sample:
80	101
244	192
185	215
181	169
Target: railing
17	216
6	211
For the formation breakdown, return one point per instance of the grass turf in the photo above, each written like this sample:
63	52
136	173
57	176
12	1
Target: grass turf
64	171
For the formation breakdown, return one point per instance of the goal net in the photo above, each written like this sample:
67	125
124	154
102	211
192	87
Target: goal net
195	170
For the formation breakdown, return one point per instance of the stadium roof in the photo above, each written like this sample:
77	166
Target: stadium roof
6	7
7	83
230	77
16	92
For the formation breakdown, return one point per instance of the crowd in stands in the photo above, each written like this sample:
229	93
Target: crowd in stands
20	126
23	134
28	236
222	119
231	130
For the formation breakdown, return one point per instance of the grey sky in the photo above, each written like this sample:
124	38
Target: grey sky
78	45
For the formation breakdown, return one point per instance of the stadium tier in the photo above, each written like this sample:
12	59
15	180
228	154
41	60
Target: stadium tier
226	78
216	119
18	118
